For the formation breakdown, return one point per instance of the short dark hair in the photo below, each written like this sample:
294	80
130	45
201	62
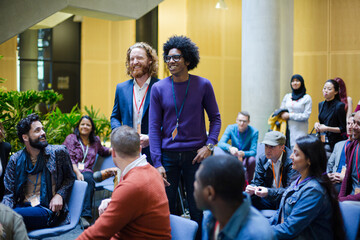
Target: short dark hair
24	125
189	50
225	174
92	133
245	113
125	141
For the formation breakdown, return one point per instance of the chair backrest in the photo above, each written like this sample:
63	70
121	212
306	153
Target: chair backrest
76	201
351	217
75	205
182	228
107	163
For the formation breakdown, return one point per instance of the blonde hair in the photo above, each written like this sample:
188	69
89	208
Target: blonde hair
151	54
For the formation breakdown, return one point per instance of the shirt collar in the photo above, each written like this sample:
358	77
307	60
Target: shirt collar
145	84
141	161
238	219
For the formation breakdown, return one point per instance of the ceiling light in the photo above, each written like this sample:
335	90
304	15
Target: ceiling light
221	5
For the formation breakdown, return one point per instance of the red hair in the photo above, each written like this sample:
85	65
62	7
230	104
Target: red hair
342	92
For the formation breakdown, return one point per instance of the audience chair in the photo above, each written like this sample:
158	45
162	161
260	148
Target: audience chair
182	228
351	218
75	205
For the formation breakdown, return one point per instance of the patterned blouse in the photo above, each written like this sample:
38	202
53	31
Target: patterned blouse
77	154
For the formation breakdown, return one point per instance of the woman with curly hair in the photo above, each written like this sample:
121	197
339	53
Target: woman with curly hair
309	208
83	146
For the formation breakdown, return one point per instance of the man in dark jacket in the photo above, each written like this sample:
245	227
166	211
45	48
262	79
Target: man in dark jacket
39	178
273	173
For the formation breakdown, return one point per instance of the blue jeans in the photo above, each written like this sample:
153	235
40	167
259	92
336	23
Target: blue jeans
87	207
175	164
35	217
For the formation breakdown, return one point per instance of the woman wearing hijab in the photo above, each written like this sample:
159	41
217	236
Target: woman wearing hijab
298	104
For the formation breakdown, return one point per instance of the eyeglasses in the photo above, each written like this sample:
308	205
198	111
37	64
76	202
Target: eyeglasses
168	58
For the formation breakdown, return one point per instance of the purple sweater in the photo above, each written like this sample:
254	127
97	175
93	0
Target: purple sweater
192	130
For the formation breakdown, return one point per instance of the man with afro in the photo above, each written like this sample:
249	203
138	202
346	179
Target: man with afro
178	137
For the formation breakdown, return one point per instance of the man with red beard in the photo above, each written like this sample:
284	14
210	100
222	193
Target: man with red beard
132	98
38	178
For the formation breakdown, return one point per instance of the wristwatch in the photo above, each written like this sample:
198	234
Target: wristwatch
210	146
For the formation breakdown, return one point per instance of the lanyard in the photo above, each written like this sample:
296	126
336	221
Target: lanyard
37	177
275	175
182	105
297	183
142	101
243	139
85	152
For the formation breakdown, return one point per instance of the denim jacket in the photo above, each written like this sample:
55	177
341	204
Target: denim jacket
245	223
306	212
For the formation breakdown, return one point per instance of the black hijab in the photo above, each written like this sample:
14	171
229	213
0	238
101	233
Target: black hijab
298	93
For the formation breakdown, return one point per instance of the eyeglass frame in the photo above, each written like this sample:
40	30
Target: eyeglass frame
173	57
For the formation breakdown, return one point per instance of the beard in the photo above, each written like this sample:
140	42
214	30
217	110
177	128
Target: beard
38	144
137	73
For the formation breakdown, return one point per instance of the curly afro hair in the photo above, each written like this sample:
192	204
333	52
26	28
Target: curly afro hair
24	125
189	50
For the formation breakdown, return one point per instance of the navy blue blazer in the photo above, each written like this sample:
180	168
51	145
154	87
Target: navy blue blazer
122	113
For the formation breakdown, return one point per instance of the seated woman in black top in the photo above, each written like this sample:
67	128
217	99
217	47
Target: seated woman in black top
332	115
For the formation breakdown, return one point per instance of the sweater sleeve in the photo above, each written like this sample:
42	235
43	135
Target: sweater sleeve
213	113
223	143
253	146
155	125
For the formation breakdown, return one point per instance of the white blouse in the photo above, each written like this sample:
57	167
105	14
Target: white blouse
299	113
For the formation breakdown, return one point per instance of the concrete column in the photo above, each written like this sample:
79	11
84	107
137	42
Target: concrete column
267	40
29	69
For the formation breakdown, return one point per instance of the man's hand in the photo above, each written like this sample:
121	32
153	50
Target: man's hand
261	192
103	205
233	151
285	115
144	140
56	203
162	172
250	189
202	153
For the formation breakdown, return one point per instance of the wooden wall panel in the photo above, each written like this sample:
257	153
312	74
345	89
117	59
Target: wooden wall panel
313	69
310	25
344	22
327	47
8	64
103	54
347	67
